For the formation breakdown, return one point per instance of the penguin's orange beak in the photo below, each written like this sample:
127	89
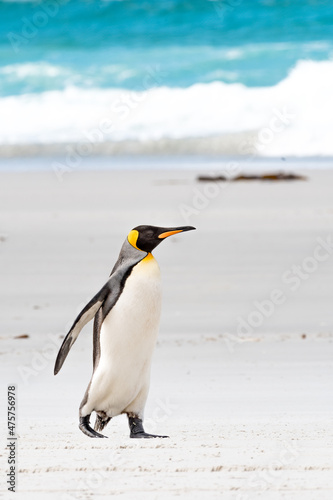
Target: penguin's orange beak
175	230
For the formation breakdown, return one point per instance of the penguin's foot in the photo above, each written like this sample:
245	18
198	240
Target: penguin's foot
137	430
87	430
101	421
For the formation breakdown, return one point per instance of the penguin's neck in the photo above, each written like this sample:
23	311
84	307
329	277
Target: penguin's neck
149	257
149	266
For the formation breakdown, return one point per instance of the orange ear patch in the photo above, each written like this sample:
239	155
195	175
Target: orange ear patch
133	238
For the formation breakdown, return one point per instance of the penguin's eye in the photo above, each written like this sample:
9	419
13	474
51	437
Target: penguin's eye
149	234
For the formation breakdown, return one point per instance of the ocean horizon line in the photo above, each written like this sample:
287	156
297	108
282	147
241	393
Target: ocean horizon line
229	166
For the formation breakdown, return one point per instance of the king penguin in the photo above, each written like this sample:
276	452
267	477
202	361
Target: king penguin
126	314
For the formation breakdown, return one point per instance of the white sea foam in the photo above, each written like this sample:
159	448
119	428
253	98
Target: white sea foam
20	71
291	118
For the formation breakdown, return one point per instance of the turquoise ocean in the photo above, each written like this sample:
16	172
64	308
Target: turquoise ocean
117	71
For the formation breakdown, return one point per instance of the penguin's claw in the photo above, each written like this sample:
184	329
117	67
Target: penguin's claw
101	422
146	436
87	430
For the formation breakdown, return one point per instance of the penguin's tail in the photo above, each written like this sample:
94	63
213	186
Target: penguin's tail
101	421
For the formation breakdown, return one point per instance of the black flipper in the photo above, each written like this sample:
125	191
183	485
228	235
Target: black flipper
87	430
87	314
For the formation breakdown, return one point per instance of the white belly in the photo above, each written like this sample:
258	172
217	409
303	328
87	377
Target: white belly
128	335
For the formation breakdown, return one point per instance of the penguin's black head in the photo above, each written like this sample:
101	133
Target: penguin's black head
146	238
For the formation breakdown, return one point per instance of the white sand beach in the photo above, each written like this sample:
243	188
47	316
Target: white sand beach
242	375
